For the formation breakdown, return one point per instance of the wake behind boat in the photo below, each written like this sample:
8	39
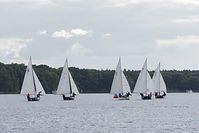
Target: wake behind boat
120	86
144	85
67	87
159	84
31	87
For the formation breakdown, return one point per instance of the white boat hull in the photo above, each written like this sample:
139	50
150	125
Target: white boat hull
123	98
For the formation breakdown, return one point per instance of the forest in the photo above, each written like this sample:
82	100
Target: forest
90	80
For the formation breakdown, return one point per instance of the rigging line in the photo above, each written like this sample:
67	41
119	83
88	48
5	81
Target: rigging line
34	81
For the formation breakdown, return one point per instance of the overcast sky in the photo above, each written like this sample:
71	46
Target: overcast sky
94	33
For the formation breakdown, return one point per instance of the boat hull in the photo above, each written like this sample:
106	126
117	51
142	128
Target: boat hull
146	97
115	97
68	98
123	98
33	99
159	97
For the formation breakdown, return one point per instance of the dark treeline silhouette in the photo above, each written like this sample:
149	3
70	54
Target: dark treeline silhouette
90	80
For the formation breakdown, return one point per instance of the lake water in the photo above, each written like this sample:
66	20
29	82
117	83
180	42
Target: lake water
99	113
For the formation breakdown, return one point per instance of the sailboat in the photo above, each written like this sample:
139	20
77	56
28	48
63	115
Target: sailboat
159	84
67	87
120	86
31	87
144	85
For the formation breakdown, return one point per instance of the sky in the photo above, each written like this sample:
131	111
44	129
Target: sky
95	33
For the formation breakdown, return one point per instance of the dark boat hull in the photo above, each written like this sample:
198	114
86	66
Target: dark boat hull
68	98
146	97
159	97
33	99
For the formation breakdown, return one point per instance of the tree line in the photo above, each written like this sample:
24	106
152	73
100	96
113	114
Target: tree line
90	80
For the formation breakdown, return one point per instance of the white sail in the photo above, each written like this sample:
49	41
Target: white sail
31	82
140	86
117	80
28	84
150	84
66	82
39	87
125	84
120	83
73	85
144	82
158	80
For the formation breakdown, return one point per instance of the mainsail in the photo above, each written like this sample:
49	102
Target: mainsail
144	82
158	81
31	84
120	83
66	82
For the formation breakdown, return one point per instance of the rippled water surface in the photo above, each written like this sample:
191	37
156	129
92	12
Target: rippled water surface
99	113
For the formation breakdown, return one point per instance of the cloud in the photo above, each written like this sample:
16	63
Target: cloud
61	34
125	3
13	46
71	33
79	32
31	2
107	34
78	49
187	2
187	20
36	1
42	32
110	3
179	41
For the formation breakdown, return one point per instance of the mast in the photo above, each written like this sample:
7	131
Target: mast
69	82
34	82
146	76
121	75
34	85
159	77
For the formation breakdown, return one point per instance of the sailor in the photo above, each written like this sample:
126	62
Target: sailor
127	94
63	96
150	94
115	96
39	94
73	94
28	97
